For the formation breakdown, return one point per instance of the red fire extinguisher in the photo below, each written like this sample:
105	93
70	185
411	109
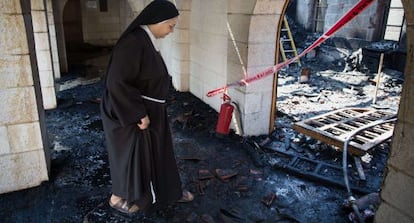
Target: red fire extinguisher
225	116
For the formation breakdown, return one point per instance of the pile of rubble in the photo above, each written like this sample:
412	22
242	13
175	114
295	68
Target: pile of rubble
329	85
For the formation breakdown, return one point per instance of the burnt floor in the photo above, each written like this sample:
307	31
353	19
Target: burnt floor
257	191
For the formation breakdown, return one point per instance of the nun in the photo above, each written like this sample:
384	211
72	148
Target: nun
142	163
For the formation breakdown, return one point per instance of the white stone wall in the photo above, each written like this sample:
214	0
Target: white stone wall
361	27
176	48
101	28
133	8
22	158
304	12
104	28
208	48
365	26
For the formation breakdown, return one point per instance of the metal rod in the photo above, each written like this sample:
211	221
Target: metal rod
374	101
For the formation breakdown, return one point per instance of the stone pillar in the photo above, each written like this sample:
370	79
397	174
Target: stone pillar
255	99
53	41
22	139
239	18
43	53
58	7
398	190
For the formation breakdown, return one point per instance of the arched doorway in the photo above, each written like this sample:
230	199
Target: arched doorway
396	204
72	23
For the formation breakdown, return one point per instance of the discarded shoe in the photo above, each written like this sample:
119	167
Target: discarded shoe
187	197
124	206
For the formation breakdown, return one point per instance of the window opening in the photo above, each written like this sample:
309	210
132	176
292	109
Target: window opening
394	26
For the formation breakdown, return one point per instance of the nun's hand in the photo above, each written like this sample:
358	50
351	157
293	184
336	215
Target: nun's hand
144	123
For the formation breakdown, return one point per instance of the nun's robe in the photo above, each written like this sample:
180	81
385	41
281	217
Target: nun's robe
142	162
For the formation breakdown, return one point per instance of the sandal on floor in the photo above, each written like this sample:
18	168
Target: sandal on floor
124	206
187	197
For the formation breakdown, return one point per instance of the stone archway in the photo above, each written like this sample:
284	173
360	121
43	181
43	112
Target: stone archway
58	7
257	50
397	194
128	9
72	24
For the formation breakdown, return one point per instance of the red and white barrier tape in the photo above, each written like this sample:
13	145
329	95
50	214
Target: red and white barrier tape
351	14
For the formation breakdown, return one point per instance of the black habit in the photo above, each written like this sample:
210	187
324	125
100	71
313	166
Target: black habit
142	162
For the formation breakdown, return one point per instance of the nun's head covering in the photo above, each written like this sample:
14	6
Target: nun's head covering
155	12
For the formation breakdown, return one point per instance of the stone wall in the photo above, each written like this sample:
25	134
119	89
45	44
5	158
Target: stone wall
398	190
176	48
365	26
304	12
208	48
101	27
22	156
361	27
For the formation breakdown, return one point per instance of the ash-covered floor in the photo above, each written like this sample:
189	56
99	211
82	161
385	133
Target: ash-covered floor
251	189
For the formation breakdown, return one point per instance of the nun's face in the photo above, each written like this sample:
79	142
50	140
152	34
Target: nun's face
162	29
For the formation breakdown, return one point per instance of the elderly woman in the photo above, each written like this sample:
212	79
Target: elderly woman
142	163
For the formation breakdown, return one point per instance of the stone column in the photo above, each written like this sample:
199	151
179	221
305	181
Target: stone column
255	35
22	156
53	41
58	7
43	53
398	190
